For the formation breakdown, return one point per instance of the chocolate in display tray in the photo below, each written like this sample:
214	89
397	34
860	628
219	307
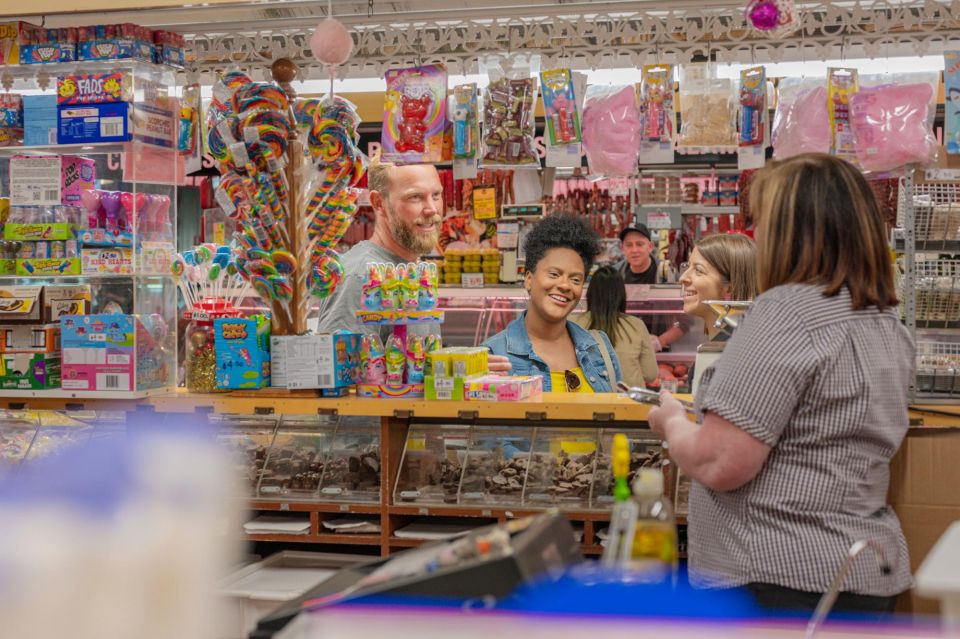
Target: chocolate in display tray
561	468
353	463
496	465
430	468
645	452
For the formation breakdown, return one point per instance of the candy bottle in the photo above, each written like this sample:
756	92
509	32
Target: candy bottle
372	359
426	296
431	343
390	288
372	295
416	359
396	359
411	287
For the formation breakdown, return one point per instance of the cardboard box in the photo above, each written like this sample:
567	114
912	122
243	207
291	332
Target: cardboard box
115	122
48	266
59	300
39	120
243	352
116	261
328	360
20	304
502	388
30	338
443	388
924	476
29	371
278	360
39	232
48	52
98	352
94	88
50	179
105	238
10	41
116	49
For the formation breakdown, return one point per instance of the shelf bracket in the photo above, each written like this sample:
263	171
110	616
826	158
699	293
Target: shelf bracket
328	412
402	414
535	416
603	417
468	415
263	410
73	406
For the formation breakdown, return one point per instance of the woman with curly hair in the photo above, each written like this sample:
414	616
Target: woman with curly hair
560	250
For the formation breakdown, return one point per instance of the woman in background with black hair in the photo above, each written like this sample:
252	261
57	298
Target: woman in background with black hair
607	312
560	251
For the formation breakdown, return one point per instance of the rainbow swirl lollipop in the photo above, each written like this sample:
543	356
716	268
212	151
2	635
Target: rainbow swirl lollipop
325	275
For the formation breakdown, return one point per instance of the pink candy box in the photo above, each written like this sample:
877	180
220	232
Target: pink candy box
502	388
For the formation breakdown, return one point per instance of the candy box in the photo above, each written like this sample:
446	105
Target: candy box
328	360
10	37
39	120
98	352
242	348
168	48
94	88
106	238
40	232
500	388
20	304
115	122
30	371
58	300
42	46
113	261
51	179
115	41
30	338
48	266
415	114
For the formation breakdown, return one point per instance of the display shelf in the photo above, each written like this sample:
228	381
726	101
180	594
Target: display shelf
70	149
708	211
36	72
308	507
346	540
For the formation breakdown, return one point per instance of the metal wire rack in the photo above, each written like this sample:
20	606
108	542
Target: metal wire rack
936	212
937	291
938	368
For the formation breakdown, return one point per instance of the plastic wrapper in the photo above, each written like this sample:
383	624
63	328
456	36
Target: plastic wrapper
802	121
657	105
708	114
466	126
753	106
841	85
892	122
560	107
611	129
415	114
508	119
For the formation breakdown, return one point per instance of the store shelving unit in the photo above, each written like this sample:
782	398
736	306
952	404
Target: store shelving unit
929	274
137	167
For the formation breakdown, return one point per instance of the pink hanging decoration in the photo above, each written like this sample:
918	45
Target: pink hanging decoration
891	126
802	125
773	17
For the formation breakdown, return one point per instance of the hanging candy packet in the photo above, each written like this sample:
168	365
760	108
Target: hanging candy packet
802	120
892	122
415	114
708	113
508	120
951	101
466	127
841	85
560	107
611	129
753	106
188	133
659	114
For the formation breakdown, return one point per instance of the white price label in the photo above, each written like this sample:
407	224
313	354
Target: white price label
471	280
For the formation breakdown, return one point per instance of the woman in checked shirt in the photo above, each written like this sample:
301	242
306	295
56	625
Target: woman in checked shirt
798	420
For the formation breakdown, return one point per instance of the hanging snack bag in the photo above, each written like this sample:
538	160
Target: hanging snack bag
708	113
560	107
611	129
802	121
659	113
841	85
466	127
753	106
508	120
415	114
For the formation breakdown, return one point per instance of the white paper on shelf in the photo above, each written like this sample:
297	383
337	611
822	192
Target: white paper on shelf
603	533
434	530
349	525
35	180
286	525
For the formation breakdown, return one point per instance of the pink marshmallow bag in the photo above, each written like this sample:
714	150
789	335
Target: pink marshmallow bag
802	121
891	126
611	129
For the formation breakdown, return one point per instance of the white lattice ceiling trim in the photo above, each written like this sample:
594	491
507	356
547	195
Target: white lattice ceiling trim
866	29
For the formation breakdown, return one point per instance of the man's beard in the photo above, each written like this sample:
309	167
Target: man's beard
407	236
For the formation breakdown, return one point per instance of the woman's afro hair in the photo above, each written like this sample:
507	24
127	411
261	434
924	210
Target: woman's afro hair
561	231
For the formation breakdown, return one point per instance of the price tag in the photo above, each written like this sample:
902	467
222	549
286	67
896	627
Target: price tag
485	203
662	216
471	280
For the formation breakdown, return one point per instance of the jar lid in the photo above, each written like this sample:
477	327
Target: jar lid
211	308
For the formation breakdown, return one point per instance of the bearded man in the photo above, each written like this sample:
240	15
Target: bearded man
408	206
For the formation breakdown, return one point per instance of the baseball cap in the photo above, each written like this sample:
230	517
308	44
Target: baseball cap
636	228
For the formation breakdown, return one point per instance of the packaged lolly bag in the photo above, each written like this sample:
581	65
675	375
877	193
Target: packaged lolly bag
657	105
802	121
753	106
891	119
508	120
708	113
560	107
414	115
611	129
466	127
841	85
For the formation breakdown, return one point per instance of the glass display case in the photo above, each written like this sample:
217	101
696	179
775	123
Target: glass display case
561	466
118	238
295	461
646	451
495	467
247	440
352	470
17	430
432	465
50	441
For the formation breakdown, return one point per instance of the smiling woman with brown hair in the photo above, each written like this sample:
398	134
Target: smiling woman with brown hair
560	250
798	420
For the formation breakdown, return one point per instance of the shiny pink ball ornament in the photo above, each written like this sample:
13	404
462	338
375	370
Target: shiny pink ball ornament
764	15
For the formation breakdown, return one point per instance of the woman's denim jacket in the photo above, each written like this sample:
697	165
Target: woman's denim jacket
515	344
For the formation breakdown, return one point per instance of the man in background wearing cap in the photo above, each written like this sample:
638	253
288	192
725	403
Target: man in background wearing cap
639	265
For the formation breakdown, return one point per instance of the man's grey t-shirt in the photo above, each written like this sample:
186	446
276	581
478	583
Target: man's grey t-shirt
338	312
